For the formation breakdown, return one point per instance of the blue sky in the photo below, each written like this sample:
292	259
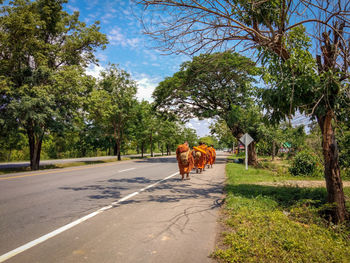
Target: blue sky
129	47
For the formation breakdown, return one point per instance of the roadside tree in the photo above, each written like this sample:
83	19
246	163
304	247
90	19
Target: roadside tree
113	104
264	26
43	51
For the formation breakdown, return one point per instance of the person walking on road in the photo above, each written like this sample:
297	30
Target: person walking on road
200	157
212	156
185	160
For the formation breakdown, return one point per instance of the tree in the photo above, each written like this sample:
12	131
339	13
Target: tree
264	26
189	135
112	104
217	85
169	134
43	52
145	125
223	133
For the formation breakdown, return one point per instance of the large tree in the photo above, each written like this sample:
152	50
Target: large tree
43	51
263	25
113	103
216	85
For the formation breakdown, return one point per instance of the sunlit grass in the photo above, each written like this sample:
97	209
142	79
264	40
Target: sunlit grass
277	224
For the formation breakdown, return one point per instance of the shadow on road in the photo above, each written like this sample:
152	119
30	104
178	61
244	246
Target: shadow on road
179	190
165	159
102	191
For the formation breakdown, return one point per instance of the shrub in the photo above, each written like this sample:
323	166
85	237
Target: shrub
305	164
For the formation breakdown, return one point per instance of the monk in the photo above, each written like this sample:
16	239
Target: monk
212	156
185	160
200	157
209	157
214	152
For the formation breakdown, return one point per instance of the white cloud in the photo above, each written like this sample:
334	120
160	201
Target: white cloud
201	126
146	86
94	70
116	37
101	57
72	8
108	16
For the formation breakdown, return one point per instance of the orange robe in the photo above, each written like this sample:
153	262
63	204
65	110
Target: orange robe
201	162
184	169
212	155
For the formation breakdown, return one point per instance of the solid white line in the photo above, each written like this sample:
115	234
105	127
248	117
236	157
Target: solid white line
46	237
129	169
41	239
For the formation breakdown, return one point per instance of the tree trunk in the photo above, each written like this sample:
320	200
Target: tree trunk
118	150
273	149
252	157
35	142
142	149
115	149
151	141
334	183
167	149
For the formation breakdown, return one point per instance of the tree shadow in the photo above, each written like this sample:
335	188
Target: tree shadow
102	191
172	159
285	196
179	190
169	159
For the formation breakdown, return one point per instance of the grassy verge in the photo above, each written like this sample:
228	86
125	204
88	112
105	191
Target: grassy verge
277	224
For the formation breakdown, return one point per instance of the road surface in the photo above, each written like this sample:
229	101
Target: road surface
132	211
8	165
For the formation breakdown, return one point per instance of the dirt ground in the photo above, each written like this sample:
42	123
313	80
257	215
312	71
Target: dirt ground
300	183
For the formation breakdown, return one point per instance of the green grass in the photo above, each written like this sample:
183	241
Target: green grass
277	224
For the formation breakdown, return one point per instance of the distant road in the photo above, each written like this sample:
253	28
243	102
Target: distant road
72	160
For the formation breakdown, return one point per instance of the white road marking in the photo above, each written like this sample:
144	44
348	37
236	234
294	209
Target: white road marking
41	239
125	170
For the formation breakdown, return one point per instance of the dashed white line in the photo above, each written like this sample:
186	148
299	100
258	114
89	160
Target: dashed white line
125	170
41	239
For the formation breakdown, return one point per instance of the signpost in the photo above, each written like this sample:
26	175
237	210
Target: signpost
246	139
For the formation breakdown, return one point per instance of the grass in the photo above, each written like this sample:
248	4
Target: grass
277	224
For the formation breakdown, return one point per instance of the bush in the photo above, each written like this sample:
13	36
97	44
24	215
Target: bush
305	164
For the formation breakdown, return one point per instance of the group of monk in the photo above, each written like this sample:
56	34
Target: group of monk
198	158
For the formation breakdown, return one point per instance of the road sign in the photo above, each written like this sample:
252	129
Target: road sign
246	139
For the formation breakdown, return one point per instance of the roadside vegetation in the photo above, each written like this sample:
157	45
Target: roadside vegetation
278	223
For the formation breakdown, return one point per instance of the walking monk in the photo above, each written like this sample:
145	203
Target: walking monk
200	157
212	155
185	160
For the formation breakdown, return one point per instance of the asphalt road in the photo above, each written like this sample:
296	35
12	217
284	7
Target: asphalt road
7	165
172	221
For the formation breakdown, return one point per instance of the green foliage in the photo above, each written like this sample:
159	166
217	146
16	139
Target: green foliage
266	13
305	164
222	132
43	53
209	140
207	86
277	224
112	104
294	83
344	152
